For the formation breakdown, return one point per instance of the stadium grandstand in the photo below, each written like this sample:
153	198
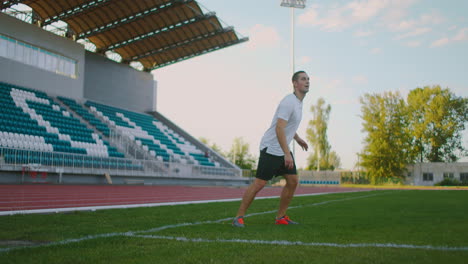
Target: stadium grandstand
79	100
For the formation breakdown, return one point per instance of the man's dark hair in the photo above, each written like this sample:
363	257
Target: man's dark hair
295	76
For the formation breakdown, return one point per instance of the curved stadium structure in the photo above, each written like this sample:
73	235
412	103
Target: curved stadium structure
67	64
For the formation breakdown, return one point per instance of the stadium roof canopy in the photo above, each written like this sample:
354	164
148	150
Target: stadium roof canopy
155	33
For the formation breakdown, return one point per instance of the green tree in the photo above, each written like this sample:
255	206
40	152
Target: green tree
239	154
213	146
386	146
437	119
333	162
322	157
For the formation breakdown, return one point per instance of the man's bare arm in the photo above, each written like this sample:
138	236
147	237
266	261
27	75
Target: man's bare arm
301	142
281	135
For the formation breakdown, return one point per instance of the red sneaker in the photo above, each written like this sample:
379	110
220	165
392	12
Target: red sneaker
238	221
285	221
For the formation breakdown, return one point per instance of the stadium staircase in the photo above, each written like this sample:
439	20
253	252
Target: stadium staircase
125	145
154	136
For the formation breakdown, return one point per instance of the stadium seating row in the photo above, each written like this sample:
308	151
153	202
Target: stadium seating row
31	120
80	110
318	182
155	137
56	159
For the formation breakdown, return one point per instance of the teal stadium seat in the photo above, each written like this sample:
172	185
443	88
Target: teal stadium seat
318	182
40	131
154	136
80	110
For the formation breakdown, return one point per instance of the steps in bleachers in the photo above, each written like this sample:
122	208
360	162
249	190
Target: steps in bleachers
83	114
155	137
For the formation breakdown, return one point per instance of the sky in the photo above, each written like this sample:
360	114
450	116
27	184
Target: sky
348	48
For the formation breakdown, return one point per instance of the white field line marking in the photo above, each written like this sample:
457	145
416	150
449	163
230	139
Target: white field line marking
68	241
300	243
152	230
157	229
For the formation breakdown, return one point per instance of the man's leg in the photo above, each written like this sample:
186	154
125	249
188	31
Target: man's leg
287	193
249	195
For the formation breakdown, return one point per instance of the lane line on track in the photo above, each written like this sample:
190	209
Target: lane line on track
126	206
29	200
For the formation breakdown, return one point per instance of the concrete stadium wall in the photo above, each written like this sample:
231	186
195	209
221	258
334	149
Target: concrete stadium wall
319	177
118	84
32	77
98	78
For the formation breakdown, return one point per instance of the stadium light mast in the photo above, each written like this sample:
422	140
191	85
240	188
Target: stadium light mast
292	4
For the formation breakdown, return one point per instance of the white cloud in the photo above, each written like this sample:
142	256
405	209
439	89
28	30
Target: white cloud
433	18
452	27
376	50
415	32
262	36
333	20
417	26
462	35
310	17
365	10
401	25
394	14
338	18
362	33
440	42
335	17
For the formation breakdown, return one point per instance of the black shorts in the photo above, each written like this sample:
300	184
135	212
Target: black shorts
270	166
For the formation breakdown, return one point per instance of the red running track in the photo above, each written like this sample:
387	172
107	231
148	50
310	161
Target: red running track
31	197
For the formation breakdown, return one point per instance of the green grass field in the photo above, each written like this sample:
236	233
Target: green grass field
363	227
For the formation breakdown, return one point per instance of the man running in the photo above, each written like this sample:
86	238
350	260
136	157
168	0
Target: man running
275	157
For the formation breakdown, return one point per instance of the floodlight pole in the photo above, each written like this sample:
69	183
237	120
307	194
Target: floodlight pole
293	4
293	67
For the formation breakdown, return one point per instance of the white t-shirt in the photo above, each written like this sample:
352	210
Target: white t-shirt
289	109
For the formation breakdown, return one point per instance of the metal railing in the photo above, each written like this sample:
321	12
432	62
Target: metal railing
12	159
125	143
129	147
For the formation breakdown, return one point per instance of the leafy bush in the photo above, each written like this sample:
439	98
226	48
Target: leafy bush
355	180
450	182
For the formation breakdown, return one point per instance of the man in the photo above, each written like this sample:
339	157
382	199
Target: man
275	157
